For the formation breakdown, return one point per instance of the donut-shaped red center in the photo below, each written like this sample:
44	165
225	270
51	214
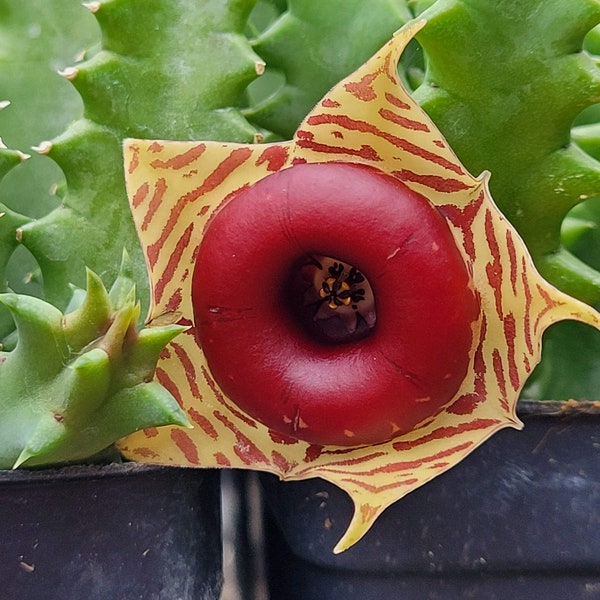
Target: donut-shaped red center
333	305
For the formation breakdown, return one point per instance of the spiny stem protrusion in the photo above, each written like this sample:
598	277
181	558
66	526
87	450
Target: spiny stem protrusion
43	147
69	73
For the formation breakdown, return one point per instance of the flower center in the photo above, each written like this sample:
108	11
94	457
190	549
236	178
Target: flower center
331	299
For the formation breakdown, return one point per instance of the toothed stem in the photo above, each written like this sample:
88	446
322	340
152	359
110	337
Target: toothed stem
92	369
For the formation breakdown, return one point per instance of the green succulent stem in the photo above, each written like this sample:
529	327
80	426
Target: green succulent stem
76	383
315	44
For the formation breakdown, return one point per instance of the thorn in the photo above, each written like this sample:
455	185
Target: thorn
93	7
22	156
259	67
258	138
27	567
54	189
4	104
2	214
42	148
19	235
80	56
2	144
23	458
69	73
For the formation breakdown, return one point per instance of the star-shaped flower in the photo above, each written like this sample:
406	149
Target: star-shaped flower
478	342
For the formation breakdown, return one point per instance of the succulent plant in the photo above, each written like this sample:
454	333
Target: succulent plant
502	81
77	382
322	30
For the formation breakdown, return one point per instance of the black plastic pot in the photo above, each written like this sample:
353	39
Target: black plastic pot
120	531
518	519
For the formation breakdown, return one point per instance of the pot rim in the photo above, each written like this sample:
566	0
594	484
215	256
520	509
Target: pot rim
529	409
88	471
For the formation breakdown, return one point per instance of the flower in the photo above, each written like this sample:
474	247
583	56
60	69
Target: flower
189	201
